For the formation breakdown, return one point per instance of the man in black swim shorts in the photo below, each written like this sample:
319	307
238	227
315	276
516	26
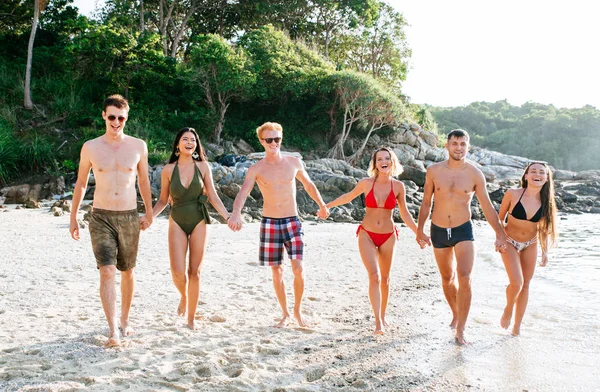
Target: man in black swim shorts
452	184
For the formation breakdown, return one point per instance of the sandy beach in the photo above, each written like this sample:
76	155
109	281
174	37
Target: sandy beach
53	328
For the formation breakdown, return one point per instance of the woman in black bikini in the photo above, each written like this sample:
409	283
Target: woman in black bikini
531	213
187	181
377	233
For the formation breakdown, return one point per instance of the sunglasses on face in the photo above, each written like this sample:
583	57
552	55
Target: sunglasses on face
113	118
270	140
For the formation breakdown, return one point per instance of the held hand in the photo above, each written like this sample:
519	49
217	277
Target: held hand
74	230
323	212
500	244
145	221
423	240
544	260
235	222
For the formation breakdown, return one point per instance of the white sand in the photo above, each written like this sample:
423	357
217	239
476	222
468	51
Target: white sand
53	328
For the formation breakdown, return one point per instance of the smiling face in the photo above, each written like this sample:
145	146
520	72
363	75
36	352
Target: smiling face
187	144
536	175
272	136
383	162
115	120
457	148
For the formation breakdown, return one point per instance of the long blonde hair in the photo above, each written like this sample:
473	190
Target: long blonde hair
547	225
397	168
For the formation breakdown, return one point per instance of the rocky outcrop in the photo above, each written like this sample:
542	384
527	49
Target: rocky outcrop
416	149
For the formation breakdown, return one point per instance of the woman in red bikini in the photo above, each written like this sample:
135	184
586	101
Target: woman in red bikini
531	213
377	233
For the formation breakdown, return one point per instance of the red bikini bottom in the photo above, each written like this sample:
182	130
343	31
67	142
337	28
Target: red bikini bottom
378	238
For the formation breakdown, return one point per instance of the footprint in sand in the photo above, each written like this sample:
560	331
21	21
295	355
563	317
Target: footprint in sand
215	318
314	374
234	371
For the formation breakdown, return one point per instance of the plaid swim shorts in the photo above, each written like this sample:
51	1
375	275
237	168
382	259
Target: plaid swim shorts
276	233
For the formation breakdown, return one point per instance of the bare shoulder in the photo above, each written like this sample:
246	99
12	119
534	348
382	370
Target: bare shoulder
293	161
398	185
202	165
168	168
135	142
365	183
434	169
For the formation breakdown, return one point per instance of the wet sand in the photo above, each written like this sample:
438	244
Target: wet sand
53	327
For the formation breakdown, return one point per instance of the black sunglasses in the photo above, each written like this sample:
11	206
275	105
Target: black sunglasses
113	118
270	140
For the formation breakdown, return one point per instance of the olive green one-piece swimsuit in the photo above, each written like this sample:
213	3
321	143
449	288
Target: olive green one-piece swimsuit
189	204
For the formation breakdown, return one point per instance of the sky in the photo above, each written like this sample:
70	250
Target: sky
544	51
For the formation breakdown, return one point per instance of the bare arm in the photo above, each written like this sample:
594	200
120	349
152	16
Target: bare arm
79	191
505	206
425	209
404	213
235	220
144	186
209	185
312	191
349	196
165	193
486	206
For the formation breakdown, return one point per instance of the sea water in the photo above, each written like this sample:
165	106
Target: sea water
559	345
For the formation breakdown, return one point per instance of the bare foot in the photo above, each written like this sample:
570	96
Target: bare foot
182	307
385	324
113	341
125	329
516	331
506	317
454	321
285	320
191	325
460	339
302	322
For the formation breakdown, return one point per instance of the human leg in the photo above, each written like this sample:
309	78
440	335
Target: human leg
444	258
108	297
384	261
368	255
528	260
178	246
465	257
512	264
197	250
298	271
279	286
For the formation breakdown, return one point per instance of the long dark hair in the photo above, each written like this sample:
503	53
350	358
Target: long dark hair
547	225
199	148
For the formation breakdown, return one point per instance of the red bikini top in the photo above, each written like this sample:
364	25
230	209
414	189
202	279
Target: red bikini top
389	204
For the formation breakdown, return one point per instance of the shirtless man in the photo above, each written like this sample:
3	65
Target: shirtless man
452	183
280	227
115	224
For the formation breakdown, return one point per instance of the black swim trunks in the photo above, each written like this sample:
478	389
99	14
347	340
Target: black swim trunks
442	237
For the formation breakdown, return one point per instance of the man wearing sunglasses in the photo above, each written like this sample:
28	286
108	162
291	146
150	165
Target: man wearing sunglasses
116	159
280	227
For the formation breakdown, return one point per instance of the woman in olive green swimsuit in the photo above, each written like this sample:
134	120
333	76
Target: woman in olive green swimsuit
187	181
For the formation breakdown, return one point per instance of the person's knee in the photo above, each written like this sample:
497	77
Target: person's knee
178	274
107	272
374	277
449	279
464	280
194	273
277	272
385	280
297	270
517	283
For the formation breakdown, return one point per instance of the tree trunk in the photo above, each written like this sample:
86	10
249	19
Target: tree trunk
223	105
354	158
142	23
36	14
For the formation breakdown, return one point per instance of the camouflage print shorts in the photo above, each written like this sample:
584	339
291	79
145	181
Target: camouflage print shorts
115	236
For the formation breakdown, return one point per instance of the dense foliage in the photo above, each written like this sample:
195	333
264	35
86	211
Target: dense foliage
222	67
566	138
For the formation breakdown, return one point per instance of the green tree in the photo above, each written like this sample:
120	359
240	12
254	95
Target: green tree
222	72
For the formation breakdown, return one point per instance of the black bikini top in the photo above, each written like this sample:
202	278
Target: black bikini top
519	211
